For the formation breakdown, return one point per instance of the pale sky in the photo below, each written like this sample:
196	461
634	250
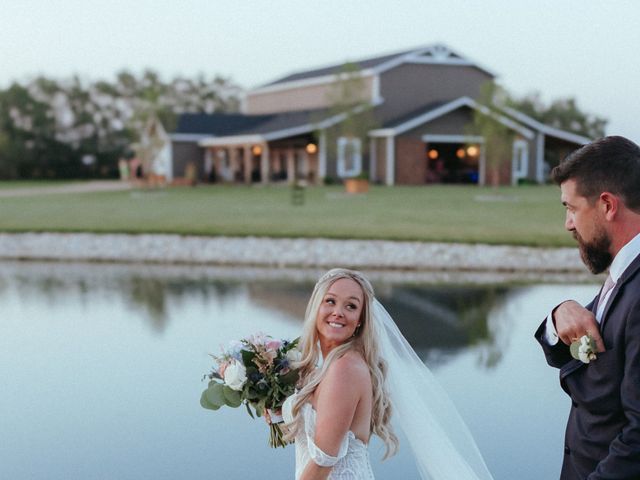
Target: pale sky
587	49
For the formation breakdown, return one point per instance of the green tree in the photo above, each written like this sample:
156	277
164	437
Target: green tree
348	99
71	128
498	138
562	113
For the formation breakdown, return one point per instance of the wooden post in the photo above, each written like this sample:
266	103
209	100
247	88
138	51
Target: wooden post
265	164
291	166
248	164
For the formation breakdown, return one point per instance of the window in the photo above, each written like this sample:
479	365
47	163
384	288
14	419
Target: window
349	157
520	159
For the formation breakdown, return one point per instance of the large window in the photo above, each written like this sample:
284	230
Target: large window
349	157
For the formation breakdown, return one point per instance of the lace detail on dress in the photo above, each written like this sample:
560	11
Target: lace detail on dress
351	462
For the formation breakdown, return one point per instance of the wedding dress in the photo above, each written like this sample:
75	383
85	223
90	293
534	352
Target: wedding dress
442	445
352	460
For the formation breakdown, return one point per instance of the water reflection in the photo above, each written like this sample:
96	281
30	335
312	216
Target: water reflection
100	365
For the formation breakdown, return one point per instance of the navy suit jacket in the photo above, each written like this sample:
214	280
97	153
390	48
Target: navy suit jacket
602	439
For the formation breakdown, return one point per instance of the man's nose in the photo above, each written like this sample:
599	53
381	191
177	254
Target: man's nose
568	222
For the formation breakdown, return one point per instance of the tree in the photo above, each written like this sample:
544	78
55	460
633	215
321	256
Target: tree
349	100
562	113
498	138
71	128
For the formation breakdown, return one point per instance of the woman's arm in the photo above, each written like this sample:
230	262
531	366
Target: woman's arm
336	399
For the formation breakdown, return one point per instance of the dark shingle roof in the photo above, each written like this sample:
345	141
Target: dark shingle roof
332	69
218	124
227	124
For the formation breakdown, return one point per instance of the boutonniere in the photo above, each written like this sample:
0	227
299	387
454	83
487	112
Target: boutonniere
584	349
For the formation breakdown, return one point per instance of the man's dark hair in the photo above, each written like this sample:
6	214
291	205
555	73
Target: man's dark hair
609	164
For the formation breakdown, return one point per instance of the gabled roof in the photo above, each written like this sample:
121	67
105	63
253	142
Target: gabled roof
437	110
546	129
432	54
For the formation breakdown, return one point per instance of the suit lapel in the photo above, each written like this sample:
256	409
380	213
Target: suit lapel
574	364
626	275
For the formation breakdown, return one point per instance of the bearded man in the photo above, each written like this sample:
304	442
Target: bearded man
600	186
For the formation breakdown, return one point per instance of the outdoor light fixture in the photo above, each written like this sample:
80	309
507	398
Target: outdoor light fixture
433	154
460	153
311	148
256	150
472	151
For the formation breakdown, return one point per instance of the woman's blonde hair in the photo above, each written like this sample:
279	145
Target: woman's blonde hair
364	341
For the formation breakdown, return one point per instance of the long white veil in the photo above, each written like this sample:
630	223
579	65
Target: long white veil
441	442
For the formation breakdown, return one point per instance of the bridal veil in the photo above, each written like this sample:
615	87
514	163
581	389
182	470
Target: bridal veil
441	442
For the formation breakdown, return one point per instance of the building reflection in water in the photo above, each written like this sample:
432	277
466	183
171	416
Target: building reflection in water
439	320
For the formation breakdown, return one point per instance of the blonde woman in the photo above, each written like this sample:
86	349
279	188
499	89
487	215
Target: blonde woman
355	365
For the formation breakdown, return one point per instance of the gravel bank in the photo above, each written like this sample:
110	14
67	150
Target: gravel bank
286	253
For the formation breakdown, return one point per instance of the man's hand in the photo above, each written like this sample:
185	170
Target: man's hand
572	321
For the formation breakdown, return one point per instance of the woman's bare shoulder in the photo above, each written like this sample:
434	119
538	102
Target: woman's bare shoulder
351	368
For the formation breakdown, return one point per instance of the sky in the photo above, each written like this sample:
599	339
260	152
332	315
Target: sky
583	49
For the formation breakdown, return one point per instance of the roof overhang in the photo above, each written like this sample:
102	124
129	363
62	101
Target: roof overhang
238	140
231	141
546	129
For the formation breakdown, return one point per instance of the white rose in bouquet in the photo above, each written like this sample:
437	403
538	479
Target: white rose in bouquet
235	376
294	355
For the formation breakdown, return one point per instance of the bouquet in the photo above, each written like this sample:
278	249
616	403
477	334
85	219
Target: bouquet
255	371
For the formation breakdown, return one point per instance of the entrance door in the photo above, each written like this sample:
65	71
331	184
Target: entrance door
452	162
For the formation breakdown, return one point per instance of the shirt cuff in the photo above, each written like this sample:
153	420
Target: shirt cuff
550	333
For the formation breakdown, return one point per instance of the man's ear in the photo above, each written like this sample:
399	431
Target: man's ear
609	205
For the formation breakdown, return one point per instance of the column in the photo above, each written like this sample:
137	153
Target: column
391	160
265	164
322	158
248	164
291	166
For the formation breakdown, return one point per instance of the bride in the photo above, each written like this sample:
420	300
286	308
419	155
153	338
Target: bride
368	370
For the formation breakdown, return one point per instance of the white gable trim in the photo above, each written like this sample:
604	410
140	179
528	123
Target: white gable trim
188	137
307	82
447	108
440	55
546	129
430	138
231	140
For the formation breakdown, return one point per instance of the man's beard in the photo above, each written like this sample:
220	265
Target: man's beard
595	254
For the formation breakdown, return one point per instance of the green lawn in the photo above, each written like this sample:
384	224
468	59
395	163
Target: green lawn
6	184
521	215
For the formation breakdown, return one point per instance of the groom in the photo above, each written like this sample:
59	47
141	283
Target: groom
600	185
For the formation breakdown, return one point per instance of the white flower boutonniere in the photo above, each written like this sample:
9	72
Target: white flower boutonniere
584	349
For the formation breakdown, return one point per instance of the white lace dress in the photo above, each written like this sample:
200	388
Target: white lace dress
351	462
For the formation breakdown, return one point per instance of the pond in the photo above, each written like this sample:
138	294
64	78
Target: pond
101	367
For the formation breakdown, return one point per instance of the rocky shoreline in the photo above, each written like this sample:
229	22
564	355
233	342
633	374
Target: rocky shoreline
287	253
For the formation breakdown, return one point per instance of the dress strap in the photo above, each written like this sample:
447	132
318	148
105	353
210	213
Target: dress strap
321	458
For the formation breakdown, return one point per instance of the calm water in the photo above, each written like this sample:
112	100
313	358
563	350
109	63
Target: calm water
101	366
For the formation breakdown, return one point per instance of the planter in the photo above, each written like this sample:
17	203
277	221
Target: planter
356	185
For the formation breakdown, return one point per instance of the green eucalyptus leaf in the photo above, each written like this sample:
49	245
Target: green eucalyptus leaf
204	403
249	410
232	397
247	357
290	378
215	394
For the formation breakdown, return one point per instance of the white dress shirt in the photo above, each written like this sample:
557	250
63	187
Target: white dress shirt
620	263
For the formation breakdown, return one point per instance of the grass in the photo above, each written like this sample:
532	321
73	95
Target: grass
508	215
13	184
